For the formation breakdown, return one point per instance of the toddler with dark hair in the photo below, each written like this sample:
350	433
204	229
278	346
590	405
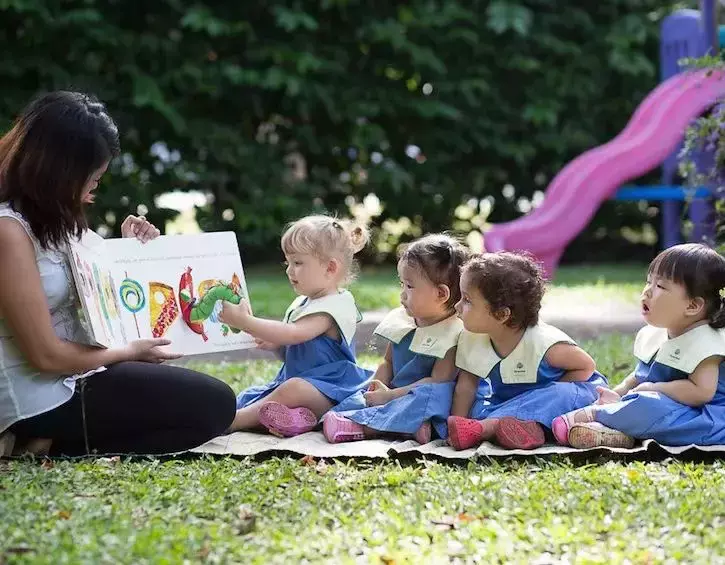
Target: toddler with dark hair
676	394
516	373
412	389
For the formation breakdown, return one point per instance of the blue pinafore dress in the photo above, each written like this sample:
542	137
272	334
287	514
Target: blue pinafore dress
414	352
523	385
328	364
654	415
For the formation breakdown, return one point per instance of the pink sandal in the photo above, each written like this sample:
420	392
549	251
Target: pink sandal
561	425
338	429
464	433
283	421
513	433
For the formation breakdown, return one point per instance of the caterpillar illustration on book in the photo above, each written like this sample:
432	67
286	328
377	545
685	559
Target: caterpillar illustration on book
195	311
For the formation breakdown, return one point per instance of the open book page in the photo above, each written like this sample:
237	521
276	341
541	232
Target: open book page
97	291
170	287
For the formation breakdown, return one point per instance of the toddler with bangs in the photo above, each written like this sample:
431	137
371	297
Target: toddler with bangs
676	393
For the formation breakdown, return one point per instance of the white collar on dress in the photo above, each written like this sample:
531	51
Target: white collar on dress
434	340
477	355
340	306
684	352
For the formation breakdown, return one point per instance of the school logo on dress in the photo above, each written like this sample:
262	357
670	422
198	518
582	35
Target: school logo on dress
675	355
519	369
428	342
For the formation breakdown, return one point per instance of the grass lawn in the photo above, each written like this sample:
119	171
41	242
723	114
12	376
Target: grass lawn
377	288
286	510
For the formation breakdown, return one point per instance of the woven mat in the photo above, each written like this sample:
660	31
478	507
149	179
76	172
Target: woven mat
315	445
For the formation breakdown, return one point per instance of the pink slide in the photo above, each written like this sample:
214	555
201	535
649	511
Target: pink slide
652	133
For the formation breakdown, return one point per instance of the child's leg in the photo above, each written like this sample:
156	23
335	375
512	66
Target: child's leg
293	393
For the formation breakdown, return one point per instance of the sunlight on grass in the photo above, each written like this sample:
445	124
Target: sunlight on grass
581	283
292	509
377	289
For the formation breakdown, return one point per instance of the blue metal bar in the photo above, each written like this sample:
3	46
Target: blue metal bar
661	192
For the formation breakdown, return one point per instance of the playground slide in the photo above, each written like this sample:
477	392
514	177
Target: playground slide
573	196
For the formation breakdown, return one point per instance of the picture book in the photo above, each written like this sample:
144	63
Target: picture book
171	287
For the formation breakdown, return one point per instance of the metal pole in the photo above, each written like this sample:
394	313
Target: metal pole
708	9
701	211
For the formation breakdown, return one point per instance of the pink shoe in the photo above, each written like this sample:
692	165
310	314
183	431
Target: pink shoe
338	429
513	433
464	433
560	428
561	425
283	421
422	436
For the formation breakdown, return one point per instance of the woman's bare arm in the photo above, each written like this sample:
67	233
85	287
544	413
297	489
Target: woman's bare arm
25	309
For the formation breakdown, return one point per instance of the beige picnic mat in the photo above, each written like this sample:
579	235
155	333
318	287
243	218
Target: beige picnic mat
315	445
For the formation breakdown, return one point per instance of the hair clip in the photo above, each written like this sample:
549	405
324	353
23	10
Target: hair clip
721	292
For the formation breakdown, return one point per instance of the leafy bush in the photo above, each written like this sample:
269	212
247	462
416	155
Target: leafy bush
277	110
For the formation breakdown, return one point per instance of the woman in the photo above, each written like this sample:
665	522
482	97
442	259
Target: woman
51	162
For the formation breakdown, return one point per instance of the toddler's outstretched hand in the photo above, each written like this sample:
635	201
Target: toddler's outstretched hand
377	397
607	396
233	314
140	228
375	384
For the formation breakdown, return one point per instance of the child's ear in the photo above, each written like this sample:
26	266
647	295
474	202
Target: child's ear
444	293
696	307
502	315
333	267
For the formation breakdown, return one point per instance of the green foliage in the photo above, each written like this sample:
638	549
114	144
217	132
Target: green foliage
281	108
704	138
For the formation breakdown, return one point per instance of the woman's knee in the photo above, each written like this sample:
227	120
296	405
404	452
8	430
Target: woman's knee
215	402
225	402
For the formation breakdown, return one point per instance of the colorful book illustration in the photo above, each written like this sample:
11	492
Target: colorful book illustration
172	287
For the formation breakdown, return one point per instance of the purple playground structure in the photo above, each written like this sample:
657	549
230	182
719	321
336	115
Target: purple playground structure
653	137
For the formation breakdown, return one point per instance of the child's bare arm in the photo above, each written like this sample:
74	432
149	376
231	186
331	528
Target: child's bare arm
384	372
697	390
465	394
626	385
444	370
577	363
273	331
